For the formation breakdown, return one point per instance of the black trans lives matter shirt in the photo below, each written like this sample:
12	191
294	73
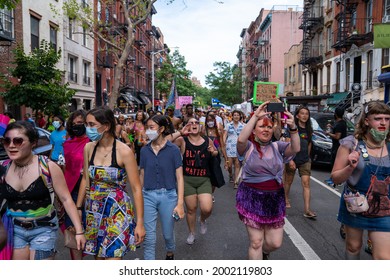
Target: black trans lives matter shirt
196	159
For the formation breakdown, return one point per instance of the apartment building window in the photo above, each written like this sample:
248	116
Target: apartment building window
328	73
338	70
369	69
368	16
34	32
329	39
53	37
347	74
289	74
387	8
285	77
85	40
99	10
86	71
385	57
72	69
7	23
299	73
71	28
107	15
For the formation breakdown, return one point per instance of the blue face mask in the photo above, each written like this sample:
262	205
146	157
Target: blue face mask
93	134
56	124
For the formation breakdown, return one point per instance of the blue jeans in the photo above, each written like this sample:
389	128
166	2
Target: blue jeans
159	202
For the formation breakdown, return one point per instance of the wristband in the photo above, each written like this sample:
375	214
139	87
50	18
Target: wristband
80	208
294	129
80	233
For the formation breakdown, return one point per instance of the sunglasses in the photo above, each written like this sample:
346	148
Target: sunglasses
18	141
192	123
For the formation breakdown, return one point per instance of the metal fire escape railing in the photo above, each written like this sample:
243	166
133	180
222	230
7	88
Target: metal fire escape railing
312	20
351	30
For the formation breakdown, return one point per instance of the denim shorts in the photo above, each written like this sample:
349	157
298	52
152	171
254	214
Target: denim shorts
39	238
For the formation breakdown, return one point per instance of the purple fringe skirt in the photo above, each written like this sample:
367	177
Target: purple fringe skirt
259	208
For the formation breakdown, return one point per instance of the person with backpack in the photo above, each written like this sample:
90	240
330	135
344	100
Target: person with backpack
28	187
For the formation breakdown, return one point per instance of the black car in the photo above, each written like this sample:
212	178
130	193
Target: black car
43	147
321	152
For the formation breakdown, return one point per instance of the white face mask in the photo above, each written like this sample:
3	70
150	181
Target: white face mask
152	134
210	124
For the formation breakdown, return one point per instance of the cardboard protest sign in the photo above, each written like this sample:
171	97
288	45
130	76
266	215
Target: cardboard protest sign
265	91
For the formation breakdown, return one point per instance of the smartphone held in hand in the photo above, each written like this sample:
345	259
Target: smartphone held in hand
275	107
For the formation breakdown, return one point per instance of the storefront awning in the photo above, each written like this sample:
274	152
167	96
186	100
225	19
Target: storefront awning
336	97
144	98
130	98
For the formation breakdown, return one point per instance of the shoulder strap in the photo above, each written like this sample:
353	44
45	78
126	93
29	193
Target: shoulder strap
45	174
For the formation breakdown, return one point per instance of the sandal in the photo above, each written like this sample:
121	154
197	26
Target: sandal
288	204
310	215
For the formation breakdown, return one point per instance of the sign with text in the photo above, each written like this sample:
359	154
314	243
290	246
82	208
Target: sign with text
382	36
183	100
265	91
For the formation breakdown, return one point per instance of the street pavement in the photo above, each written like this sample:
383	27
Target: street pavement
227	239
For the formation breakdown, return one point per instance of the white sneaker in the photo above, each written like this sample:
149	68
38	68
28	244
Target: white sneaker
203	227
191	238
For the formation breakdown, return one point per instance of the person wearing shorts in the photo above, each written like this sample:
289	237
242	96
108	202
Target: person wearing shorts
302	161
197	151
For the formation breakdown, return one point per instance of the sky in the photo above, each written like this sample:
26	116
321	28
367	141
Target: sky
208	31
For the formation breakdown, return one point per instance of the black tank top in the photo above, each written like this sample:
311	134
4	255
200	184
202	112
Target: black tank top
113	156
196	159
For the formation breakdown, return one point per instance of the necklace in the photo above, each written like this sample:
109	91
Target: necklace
22	169
107	153
373	146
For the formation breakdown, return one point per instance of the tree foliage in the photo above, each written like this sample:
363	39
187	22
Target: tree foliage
8	4
40	84
118	39
175	66
225	83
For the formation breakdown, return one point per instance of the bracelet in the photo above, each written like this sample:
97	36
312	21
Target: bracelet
79	207
80	233
294	129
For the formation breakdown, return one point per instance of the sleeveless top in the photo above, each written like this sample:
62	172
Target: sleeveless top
196	159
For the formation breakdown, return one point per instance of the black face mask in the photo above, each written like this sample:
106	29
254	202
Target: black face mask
78	129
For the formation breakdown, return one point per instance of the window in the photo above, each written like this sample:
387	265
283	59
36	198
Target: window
347	74
72	69
369	69
86	78
299	73
71	28
85	39
387	8
34	33
6	23
329	39
285	77
368	16
99	10
328	73
385	57
338	70
53	37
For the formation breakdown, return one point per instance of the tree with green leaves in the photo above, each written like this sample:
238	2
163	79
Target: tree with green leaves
225	83
175	66
8	4
118	40
40	85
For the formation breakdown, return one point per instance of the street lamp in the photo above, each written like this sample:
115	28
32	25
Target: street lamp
153	54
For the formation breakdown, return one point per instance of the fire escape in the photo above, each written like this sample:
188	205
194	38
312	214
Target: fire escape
351	30
312	21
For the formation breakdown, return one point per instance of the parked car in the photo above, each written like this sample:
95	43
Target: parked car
321	152
43	147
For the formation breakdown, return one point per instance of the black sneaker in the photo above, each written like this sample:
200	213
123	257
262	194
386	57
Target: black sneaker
170	257
265	256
